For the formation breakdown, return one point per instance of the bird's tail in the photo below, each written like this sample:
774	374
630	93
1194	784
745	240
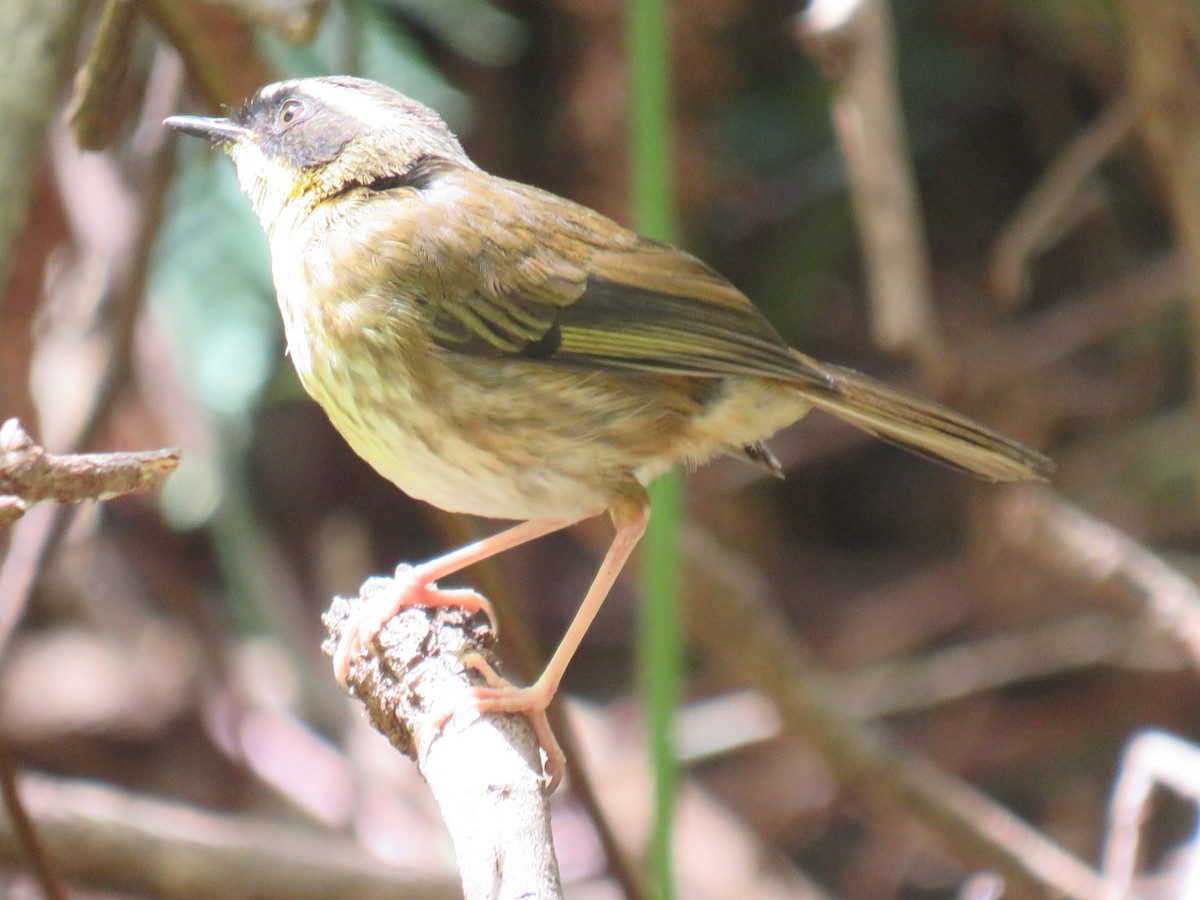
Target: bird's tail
926	428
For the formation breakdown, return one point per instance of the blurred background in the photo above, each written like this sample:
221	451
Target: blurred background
996	203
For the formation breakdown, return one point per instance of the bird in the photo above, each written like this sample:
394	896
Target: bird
494	349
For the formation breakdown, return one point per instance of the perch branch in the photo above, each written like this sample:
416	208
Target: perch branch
522	653
99	835
30	474
485	773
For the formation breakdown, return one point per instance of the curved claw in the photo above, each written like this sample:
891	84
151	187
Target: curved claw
502	696
411	588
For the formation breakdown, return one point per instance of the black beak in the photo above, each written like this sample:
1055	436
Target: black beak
219	131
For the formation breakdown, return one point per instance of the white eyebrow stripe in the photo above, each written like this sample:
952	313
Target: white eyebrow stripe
360	106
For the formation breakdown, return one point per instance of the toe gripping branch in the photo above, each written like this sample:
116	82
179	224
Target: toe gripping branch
419	658
416	675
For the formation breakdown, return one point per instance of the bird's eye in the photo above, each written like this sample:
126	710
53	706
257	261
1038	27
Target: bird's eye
289	111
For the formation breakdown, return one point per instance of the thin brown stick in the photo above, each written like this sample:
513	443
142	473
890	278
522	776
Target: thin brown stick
26	832
1090	552
96	104
914	684
854	41
39	36
111	838
1016	350
210	83
27	471
1049	209
485	771
1164	77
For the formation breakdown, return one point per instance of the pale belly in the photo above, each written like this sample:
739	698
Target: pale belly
485	450
519	439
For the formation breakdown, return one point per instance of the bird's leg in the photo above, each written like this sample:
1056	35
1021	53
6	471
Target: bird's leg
418	587
630	519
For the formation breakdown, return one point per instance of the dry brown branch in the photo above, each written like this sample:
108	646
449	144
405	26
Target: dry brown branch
1152	759
486	773
105	837
1164	77
748	641
218	50
25	834
1037	342
39	36
1054	204
913	684
855	43
28	472
94	112
1092	553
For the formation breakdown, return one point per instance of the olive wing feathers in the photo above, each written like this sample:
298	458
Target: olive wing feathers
533	275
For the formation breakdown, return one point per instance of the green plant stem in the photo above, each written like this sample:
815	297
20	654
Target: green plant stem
661	642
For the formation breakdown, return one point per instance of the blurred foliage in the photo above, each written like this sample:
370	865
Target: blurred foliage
861	545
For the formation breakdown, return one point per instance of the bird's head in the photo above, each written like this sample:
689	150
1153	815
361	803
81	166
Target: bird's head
300	142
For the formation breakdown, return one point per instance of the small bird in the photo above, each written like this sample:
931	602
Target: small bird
494	349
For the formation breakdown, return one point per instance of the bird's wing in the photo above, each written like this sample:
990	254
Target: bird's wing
535	276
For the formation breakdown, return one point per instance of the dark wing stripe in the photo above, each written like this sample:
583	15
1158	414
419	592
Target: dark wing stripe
624	326
590	293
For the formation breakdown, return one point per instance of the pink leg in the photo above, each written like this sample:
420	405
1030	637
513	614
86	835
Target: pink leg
419	588
500	696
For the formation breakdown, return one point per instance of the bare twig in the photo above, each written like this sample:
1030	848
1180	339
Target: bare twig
103	836
25	833
34	544
1051	207
1091	552
747	639
1016	350
27	471
94	113
854	41
217	46
1164	77
1152	758
486	775
39	36
899	687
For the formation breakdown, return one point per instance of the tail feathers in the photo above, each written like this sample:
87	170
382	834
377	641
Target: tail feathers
927	428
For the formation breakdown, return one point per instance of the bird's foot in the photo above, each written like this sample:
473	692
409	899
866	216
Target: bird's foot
411	587
502	696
